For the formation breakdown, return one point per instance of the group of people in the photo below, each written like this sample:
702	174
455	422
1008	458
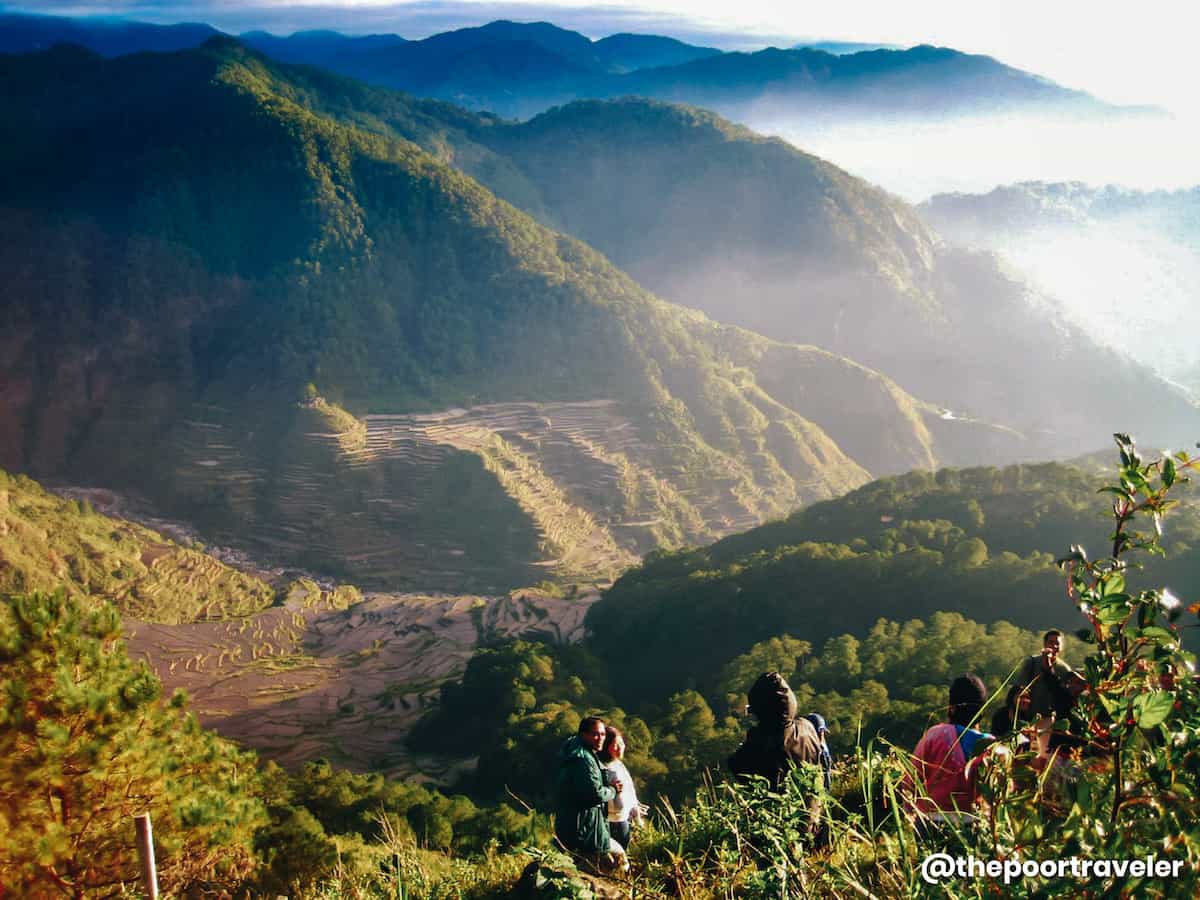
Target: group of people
597	802
946	759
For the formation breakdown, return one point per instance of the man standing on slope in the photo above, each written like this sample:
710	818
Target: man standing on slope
581	820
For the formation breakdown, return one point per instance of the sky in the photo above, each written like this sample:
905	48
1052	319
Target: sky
1123	53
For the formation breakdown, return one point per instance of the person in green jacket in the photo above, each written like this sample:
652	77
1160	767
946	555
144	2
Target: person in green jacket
581	819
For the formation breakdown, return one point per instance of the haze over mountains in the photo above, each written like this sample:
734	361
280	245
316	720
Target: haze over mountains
1123	263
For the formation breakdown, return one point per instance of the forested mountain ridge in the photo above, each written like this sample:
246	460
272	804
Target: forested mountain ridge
762	235
758	233
519	69
980	542
189	245
22	33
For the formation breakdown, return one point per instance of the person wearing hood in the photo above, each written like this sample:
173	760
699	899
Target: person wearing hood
581	818
780	741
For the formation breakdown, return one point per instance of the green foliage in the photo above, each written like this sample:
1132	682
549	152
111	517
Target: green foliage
1130	794
331	827
974	541
47	542
88	743
518	701
503	683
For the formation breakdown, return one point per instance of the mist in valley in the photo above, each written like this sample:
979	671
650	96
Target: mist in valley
1095	213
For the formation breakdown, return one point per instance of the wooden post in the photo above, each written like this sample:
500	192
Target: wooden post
145	844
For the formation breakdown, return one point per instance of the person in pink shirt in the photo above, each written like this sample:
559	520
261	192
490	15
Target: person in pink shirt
945	758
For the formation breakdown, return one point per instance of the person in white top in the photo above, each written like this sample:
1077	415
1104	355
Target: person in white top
623	809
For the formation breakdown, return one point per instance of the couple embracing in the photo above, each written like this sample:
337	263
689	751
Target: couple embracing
596	798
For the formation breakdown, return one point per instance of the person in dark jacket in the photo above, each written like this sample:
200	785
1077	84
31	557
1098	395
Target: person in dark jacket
1046	685
581	818
780	741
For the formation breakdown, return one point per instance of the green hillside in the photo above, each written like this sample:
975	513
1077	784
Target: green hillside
320	336
981	542
48	542
760	234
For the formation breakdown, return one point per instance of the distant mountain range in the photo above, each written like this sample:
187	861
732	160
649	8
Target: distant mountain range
841	47
518	69
270	288
1019	207
21	33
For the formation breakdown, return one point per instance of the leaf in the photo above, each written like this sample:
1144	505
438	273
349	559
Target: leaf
1113	587
1168	472
1112	613
1135	477
1159	634
1150	710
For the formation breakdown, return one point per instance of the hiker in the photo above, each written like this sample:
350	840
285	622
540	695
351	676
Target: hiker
1045	685
780	741
584	790
818	722
944	758
623	809
1044	690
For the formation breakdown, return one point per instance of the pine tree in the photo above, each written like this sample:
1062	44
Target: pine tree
87	742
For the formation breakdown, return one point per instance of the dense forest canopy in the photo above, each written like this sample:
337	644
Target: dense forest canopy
981	542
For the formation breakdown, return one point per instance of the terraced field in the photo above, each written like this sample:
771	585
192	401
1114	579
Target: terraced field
49	541
315	678
478	499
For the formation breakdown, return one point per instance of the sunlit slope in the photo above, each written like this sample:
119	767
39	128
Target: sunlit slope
47	542
297	673
219	296
981	542
760	234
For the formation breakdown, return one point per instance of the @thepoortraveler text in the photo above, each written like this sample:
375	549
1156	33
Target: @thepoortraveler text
939	867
